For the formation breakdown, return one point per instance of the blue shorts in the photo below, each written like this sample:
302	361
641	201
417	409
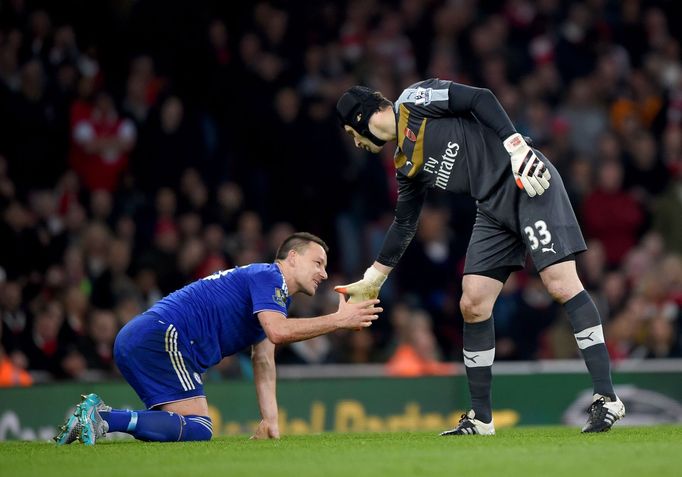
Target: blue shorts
156	361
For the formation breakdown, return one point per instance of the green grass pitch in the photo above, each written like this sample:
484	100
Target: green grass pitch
526	451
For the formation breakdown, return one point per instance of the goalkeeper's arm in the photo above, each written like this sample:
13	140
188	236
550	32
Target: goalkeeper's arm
411	197
529	171
483	104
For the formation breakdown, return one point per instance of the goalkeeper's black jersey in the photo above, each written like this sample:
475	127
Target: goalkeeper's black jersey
442	149
450	137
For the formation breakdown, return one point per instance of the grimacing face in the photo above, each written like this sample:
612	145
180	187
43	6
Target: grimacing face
361	141
310	269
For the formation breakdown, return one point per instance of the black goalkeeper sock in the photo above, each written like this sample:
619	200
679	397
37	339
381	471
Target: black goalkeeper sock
589	335
479	354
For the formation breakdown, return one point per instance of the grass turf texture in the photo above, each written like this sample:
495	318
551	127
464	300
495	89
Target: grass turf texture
524	452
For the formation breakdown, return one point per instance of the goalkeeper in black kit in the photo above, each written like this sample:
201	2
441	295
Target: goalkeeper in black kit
459	138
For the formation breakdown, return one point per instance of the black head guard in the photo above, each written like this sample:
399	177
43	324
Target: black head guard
355	108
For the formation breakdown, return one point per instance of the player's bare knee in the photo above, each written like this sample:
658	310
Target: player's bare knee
561	281
473	309
559	290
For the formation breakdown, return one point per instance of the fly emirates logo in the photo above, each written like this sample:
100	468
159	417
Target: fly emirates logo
443	170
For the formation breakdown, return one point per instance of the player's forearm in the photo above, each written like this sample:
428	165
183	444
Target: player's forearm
411	197
399	236
266	390
265	378
299	329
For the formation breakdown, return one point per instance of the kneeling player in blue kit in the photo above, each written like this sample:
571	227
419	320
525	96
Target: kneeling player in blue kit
163	352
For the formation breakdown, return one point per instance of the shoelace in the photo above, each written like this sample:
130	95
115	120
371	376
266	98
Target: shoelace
597	409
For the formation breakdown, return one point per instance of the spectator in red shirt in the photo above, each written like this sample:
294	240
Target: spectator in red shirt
612	215
102	142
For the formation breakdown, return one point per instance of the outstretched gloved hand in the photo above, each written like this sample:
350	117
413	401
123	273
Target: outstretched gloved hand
365	289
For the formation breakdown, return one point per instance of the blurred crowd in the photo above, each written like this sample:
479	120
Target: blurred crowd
146	144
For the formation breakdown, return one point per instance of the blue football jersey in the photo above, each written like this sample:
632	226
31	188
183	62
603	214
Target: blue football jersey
217	315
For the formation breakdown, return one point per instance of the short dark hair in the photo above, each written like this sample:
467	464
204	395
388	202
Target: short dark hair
383	101
298	242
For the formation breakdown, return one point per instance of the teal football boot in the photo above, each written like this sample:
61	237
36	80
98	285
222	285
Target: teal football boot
71	429
93	427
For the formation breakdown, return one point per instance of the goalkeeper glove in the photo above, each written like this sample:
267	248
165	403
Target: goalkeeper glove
529	171
365	289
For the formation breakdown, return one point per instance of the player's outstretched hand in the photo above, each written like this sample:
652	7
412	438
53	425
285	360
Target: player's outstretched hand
530	172
354	316
266	431
365	289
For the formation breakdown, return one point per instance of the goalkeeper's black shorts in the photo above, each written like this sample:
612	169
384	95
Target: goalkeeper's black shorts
510	225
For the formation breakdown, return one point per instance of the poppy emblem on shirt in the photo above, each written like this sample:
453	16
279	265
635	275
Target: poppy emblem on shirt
410	135
279	297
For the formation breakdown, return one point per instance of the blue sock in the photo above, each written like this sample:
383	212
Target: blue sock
159	426
197	428
118	419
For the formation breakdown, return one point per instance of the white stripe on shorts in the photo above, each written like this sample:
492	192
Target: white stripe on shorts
181	362
176	358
